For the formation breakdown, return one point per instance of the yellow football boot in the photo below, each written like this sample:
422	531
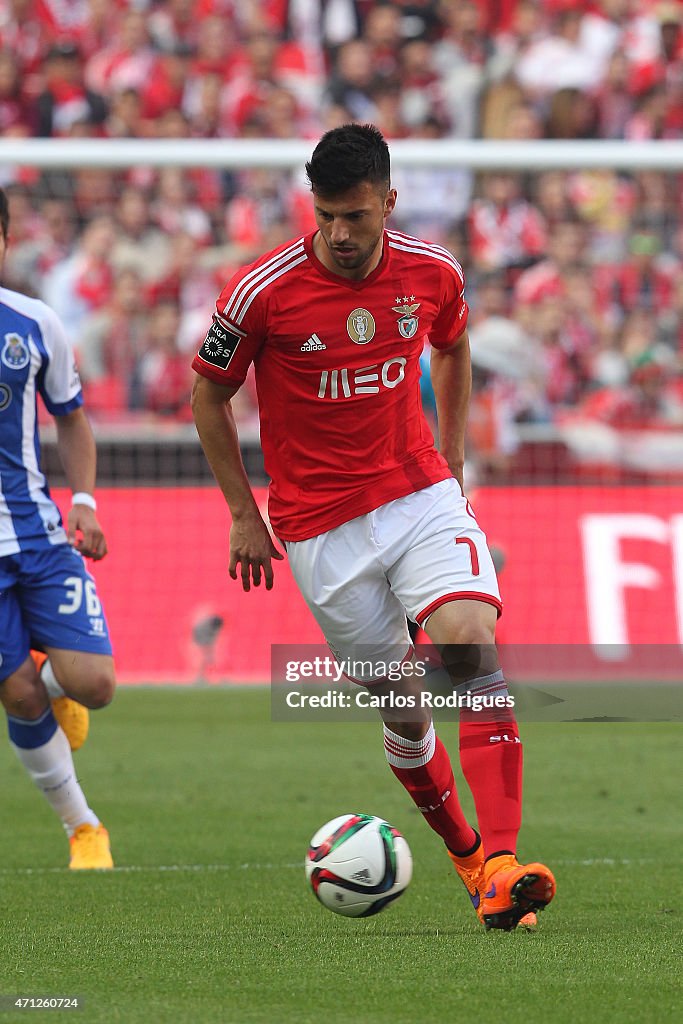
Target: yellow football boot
90	850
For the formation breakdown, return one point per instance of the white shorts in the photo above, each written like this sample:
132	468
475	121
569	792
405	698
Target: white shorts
409	556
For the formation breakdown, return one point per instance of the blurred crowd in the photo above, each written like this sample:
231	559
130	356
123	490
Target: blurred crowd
574	278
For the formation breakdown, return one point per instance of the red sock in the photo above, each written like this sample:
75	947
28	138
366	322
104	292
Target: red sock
491	760
424	768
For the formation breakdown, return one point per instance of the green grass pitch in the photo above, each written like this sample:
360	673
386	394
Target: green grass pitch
207	917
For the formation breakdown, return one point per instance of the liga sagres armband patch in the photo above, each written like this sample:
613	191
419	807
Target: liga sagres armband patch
220	344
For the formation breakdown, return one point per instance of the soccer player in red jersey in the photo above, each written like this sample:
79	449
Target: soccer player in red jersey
373	517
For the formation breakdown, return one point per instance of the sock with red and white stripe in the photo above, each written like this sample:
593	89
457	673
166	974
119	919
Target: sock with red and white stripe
491	760
424	769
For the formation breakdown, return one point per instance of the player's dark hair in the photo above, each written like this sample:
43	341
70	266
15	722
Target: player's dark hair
349	156
4	214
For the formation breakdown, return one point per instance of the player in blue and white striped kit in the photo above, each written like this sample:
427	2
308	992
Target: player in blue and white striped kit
48	599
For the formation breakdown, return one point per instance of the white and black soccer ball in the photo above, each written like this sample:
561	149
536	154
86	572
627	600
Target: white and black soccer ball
358	864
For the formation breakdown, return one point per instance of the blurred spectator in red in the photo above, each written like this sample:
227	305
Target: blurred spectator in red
617	26
167	80
99	26
386	95
662	62
649	119
505	230
488	297
165	373
352	80
560	59
127	61
80	284
111	342
564	349
261	200
46	241
140	245
270	64
15	109
174	24
463	58
217	50
203	105
527	24
614	99
175	210
125	115
94	191
283	118
422	98
27	35
66	100
644	281
551	197
382	31
499	16
566	251
188	281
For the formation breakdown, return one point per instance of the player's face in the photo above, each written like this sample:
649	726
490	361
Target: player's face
351	228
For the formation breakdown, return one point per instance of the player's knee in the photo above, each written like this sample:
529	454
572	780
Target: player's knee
23	694
101	688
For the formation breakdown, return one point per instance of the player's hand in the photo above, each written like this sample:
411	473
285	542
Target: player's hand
85	533
252	548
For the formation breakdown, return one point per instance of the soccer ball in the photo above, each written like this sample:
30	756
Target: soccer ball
358	864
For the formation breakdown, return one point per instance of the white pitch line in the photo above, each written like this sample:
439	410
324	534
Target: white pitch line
185	868
143	868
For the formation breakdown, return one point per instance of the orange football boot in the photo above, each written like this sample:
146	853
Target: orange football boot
471	871
513	891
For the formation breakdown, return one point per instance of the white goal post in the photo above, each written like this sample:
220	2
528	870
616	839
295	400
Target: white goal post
234	154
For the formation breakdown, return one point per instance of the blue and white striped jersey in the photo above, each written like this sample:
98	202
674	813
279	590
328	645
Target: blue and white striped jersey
35	357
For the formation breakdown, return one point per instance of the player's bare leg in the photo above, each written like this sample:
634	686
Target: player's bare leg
73	717
491	759
86	678
44	751
88	683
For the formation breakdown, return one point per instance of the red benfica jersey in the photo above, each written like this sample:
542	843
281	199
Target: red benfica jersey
337	374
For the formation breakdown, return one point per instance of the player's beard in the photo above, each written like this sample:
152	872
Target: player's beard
354	259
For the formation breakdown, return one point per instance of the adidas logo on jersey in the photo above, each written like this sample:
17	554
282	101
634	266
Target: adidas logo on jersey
314	344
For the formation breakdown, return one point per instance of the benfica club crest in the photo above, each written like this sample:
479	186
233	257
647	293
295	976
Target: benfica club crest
407	324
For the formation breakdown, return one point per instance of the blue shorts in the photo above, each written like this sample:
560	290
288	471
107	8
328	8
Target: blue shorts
48	597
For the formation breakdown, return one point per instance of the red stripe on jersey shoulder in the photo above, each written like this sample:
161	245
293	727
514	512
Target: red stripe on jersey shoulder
417	246
251	280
